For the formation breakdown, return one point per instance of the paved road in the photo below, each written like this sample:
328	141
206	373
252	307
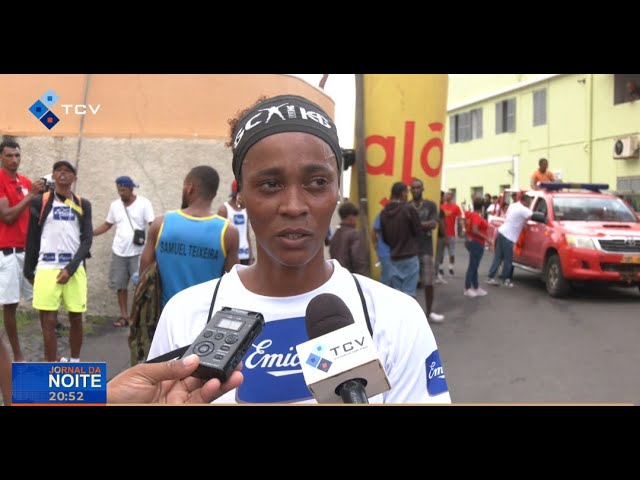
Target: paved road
520	345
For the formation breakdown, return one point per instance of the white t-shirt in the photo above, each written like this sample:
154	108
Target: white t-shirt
517	216
60	237
141	213
240	219
401	333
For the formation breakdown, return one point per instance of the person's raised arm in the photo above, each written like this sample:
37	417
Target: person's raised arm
9	214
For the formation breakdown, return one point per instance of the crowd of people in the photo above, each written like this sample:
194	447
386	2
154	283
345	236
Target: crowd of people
286	188
398	268
46	235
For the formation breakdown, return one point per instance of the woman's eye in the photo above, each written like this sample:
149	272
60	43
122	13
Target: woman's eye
270	184
319	182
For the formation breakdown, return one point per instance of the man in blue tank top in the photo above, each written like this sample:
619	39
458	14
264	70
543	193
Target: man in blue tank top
191	245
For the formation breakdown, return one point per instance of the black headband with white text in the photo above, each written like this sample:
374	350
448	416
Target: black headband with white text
285	113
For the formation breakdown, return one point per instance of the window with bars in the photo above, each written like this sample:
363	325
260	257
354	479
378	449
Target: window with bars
540	107
465	126
476	123
506	116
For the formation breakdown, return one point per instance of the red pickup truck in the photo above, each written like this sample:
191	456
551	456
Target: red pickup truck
585	236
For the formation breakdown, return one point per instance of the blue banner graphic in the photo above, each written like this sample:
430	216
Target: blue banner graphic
59	383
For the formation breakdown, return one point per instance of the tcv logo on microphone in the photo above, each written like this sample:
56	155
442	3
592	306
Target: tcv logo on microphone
41	109
316	359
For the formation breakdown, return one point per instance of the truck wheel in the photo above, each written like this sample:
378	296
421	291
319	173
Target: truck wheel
557	285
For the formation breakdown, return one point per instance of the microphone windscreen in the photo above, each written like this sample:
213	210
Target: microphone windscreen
326	313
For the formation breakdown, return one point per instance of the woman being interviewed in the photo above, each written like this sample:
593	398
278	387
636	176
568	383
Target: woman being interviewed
287	162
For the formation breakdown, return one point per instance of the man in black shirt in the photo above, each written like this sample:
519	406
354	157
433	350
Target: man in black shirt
428	214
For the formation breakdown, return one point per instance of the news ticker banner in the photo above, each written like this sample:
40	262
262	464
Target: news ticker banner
40	383
404	127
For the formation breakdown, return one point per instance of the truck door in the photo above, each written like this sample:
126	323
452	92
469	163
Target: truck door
535	237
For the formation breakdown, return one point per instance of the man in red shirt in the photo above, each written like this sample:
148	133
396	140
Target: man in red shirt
452	213
16	192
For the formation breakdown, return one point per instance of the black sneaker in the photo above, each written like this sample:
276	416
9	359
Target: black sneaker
451	272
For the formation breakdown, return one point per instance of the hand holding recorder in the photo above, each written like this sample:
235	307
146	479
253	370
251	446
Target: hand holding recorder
168	382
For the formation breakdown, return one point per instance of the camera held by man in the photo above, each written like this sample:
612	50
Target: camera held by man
49	184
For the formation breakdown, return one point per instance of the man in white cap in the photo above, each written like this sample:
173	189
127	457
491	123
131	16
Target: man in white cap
130	213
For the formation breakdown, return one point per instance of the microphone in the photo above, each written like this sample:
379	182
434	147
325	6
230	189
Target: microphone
340	363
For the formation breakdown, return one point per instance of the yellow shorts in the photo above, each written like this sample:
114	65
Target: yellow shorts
47	293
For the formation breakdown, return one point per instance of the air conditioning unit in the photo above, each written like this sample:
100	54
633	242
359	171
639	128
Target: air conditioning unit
625	147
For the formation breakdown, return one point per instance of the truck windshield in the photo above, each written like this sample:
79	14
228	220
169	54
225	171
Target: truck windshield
592	209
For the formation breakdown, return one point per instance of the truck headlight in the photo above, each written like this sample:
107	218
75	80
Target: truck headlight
580	241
